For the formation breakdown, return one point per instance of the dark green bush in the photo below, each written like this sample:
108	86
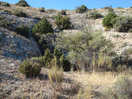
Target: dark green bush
63	22
22	3
31	70
63	12
5	4
107	21
93	15
81	9
19	13
47	57
23	30
42	27
123	24
42	9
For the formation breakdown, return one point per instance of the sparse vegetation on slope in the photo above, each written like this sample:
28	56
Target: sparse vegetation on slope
42	27
63	22
123	24
82	46
5	4
100	61
93	15
29	69
81	9
63	12
19	13
107	21
22	3
23	30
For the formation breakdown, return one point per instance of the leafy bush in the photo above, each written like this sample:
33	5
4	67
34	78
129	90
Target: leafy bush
5	4
22	3
31	70
81	9
19	13
47	57
23	30
81	47
107	21
56	73
63	12
93	15
42	9
123	24
63	22
42	27
60	58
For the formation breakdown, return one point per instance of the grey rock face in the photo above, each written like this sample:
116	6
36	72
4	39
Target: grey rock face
16	46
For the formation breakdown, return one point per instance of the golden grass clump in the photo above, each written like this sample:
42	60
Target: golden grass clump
56	73
85	93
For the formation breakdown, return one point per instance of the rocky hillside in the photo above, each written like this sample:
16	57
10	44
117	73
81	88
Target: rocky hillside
14	48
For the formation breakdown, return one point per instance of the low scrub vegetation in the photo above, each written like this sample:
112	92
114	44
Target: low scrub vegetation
5	4
19	13
81	9
61	60
42	27
56	72
93	15
22	30
121	90
63	22
42	9
22	3
123	24
30	70
43	34
85	93
107	21
83	49
4	23
63	12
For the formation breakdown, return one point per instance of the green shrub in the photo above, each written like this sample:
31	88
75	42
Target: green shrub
60	58
22	3
42	9
19	13
93	15
5	4
23	30
42	27
81	47
107	21
123	24
63	22
81	9
31	70
47	57
63	12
